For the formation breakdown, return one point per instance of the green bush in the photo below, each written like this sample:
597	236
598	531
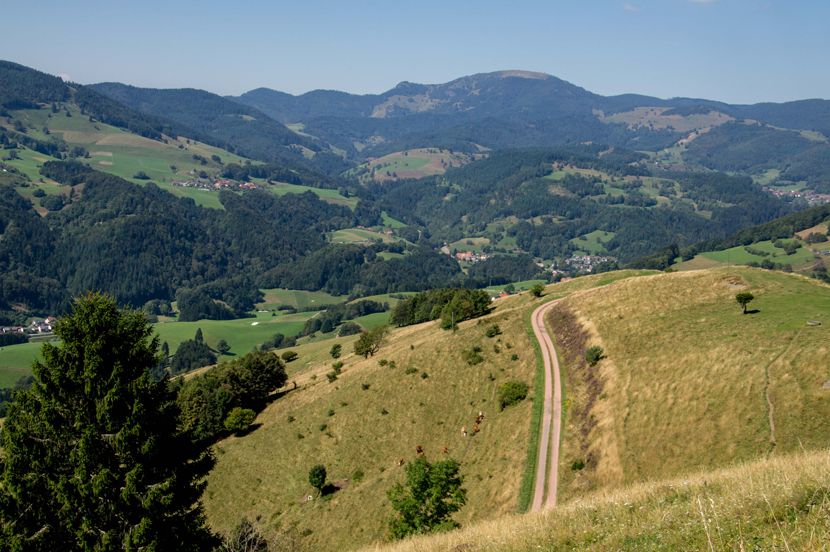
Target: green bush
410	370
577	465
383	362
288	356
593	354
512	392
331	376
357	476
472	356
365	386
338	367
239	419
493	331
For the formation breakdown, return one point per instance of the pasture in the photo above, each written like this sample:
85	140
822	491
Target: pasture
298	299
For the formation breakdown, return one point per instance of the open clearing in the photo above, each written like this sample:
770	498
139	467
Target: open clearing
653	117
415	163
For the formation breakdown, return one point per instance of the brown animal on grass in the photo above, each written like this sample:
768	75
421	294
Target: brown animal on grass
421	455
446	451
418	449
400	462
475	428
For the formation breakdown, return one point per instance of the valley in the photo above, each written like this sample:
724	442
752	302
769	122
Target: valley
349	282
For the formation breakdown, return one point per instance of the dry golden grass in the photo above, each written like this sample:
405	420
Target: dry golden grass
266	472
780	503
688	380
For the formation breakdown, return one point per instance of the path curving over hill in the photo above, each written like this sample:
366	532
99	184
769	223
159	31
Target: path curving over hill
552	414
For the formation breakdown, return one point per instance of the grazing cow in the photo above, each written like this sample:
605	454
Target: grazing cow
475	429
400	462
418	449
446	451
463	431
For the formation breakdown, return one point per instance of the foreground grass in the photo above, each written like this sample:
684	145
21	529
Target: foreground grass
780	503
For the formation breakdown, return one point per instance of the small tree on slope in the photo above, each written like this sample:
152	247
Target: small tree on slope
743	299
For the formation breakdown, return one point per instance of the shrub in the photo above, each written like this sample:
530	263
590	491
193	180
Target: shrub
512	392
338	367
538	289
493	331
383	362
291	419
239	419
593	354
424	375
366	386
357	476
577	465
335	351
410	370
330	412
332	377
472	356
323	427
288	356
39	193
384	412
514	357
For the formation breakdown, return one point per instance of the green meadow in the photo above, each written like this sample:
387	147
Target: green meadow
298	299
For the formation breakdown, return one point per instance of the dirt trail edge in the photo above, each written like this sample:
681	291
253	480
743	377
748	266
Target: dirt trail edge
552	414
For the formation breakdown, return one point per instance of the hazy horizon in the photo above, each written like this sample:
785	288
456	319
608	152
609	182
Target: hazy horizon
734	51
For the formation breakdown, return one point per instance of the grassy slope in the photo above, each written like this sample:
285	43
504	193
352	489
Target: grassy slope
682	361
266	472
781	503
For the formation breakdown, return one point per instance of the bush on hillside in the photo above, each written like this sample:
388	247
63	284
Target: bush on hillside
593	355
239	419
512	392
288	356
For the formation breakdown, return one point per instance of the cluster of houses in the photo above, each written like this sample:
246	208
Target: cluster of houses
38	326
819	198
469	257
215	185
586	263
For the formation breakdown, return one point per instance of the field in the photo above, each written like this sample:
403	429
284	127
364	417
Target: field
473	245
296	298
802	258
240	334
415	163
16	361
359	235
680	359
330	196
118	152
653	117
594	243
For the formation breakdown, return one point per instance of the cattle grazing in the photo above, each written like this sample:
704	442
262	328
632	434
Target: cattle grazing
475	428
446	451
400	462
464	431
418	449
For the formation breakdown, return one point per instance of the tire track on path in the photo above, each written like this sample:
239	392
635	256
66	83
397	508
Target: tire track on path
551	416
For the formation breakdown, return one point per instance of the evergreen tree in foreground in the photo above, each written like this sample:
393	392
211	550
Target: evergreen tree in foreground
92	459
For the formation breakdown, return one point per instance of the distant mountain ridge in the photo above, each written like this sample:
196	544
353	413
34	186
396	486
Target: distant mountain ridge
509	94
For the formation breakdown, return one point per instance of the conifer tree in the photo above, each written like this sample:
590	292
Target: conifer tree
92	458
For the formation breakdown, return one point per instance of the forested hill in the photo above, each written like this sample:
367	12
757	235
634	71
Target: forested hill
259	136
558	196
25	88
504	109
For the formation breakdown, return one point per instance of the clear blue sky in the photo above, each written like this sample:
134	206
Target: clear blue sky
738	51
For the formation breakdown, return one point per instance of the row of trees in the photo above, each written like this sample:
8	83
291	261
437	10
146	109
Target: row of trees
451	305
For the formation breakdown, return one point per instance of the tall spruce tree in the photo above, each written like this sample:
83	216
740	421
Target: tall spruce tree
92	458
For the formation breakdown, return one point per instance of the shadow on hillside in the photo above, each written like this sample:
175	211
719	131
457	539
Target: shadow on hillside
753	311
247	431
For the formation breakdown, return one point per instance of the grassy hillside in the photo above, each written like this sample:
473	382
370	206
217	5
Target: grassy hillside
681	360
266	472
779	503
415	163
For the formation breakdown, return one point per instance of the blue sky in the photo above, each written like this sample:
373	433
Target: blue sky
738	51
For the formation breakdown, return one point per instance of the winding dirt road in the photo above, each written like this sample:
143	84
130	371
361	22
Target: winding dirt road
552	415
